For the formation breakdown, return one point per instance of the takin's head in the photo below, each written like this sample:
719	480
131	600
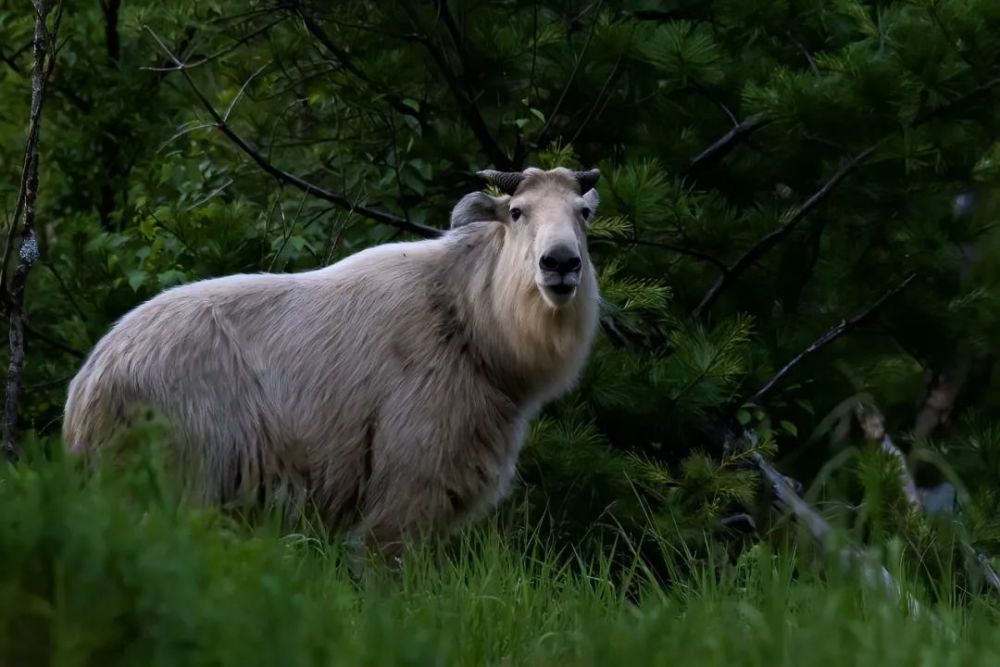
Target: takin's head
546	214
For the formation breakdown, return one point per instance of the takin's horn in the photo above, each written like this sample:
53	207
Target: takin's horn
587	179
506	181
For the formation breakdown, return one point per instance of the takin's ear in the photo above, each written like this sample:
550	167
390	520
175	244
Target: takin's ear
593	201
476	207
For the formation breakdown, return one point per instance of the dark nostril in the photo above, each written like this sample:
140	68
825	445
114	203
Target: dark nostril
562	260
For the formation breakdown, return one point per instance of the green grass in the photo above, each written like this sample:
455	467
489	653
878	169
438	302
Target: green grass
111	569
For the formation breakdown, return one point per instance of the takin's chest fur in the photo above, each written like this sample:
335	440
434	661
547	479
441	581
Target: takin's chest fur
451	426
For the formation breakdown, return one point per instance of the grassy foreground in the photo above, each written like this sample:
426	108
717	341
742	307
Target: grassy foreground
111	569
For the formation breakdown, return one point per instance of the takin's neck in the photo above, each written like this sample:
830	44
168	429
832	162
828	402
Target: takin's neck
523	345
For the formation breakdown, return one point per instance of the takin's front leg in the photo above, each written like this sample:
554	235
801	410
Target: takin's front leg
400	516
419	491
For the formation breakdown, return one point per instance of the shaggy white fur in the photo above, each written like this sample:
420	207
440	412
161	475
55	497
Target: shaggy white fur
392	387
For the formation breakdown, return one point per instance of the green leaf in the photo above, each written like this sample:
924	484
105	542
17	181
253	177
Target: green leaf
171	277
136	278
790	428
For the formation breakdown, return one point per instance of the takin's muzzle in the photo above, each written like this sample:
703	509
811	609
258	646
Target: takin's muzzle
559	270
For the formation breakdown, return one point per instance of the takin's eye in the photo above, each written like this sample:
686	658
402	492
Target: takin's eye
585	212
515	214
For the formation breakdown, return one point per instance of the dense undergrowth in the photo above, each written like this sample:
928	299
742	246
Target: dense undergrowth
109	567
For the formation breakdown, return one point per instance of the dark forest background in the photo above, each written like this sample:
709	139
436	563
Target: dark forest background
797	243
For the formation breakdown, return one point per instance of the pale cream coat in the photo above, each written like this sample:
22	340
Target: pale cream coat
393	386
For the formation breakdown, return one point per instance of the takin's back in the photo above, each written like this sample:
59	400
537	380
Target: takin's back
257	371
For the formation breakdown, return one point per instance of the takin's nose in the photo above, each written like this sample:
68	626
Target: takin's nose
561	259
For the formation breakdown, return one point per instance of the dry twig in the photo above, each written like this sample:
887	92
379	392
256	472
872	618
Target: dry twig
876	575
873	424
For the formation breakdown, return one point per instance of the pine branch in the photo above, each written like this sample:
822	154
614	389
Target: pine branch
284	176
768	241
831	335
24	221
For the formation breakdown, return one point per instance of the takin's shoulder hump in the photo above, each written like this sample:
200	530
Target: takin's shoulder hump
403	259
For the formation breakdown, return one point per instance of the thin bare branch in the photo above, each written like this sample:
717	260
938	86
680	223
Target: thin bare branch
53	342
726	143
831	335
284	176
772	239
460	91
927	114
11	59
534	49
229	48
543	132
345	59
616	337
707	93
600	102
457	39
112	38
239	93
